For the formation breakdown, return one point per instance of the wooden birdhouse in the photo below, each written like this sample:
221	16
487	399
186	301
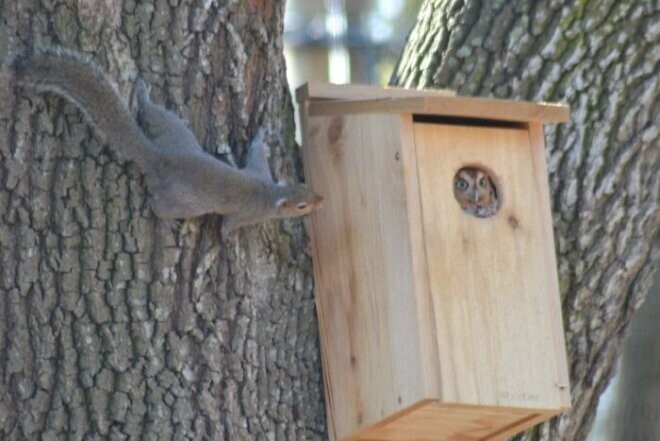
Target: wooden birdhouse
438	305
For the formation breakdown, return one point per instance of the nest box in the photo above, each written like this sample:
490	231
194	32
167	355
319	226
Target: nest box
435	323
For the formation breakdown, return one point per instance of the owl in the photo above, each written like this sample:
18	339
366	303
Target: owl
475	192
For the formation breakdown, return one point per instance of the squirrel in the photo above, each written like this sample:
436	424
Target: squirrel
183	180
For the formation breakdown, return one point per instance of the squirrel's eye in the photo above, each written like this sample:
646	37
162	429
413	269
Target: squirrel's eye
482	182
301	206
461	184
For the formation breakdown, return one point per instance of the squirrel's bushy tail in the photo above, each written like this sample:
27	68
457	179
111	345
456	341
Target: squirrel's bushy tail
81	81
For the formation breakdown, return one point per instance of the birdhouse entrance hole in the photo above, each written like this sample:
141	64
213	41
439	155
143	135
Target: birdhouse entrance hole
477	191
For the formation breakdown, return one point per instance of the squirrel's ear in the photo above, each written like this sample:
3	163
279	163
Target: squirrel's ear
282	202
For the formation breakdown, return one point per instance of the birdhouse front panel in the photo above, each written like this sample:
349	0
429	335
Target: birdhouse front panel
492	277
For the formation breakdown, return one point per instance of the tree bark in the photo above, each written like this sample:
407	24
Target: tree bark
634	413
113	324
602	58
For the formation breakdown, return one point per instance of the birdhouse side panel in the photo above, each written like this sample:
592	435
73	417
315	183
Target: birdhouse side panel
365	284
537	141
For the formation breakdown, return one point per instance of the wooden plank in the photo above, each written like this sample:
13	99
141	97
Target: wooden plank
503	110
308	164
368	431
441	422
382	105
554	305
464	107
489	278
426	314
327	91
365	281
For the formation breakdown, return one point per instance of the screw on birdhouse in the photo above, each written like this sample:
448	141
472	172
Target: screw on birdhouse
397	156
561	386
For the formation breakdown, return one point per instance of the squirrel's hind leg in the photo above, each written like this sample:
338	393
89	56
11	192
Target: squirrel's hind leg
164	209
163	127
171	201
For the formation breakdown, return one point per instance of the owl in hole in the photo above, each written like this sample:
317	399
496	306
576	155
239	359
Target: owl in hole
475	192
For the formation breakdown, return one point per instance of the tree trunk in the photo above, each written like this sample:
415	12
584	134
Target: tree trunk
635	410
602	58
114	324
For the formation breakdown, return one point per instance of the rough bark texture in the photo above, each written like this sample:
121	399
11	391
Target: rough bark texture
114	325
634	415
602	58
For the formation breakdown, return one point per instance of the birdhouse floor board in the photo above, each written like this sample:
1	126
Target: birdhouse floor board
433	421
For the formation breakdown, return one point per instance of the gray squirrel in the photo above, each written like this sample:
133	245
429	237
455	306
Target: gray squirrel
184	181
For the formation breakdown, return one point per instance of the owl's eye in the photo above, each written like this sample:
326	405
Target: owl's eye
461	184
482	182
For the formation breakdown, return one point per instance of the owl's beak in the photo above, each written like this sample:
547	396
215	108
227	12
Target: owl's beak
474	195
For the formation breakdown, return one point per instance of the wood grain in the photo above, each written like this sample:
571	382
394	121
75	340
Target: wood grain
365	283
537	143
427	331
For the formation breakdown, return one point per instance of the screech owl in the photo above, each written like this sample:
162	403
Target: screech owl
475	192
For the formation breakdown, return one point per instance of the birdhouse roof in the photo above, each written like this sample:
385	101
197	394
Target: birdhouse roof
333	99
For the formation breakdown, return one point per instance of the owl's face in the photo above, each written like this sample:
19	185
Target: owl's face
475	192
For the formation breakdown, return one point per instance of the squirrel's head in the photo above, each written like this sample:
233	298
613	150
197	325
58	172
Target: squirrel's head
296	200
